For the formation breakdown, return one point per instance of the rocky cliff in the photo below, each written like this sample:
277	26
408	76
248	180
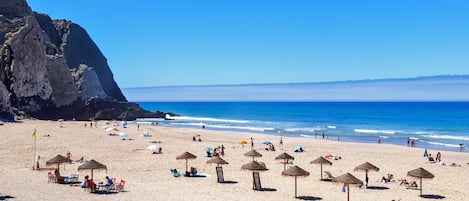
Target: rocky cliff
52	69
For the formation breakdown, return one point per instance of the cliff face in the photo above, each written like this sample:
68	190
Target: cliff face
52	69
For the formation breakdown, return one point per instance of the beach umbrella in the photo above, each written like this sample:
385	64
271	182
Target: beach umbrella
285	157
253	153
242	142
254	166
295	171
366	166
186	155
109	129
420	173
153	148
57	160
297	148
347	179
208	148
321	160
217	160
92	165
267	142
123	135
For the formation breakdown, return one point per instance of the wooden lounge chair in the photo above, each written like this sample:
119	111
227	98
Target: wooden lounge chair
256	181
328	176
220	178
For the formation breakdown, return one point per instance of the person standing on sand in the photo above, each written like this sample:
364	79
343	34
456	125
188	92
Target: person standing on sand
252	143
281	143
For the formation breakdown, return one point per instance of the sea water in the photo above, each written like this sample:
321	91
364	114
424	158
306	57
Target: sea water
437	125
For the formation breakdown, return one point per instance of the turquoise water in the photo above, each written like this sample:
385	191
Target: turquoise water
438	125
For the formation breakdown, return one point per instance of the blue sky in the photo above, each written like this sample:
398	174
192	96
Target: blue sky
173	42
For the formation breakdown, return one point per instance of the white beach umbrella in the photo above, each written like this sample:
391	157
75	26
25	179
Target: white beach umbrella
109	129
123	135
153	148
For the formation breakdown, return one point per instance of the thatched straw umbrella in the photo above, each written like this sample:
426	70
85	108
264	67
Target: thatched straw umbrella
366	166
347	179
253	153
254	166
219	170
92	164
217	160
285	157
58	160
321	160
186	155
295	171
420	173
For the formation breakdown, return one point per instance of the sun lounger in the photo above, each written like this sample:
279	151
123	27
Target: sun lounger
51	178
220	178
256	181
328	176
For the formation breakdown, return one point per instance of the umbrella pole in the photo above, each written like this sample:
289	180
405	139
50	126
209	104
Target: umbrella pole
321	171
186	165
295	188
348	192
285	164
420	186
91	174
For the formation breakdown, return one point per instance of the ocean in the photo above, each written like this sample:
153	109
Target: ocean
433	125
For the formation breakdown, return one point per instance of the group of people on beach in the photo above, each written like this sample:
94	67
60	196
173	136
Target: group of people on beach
217	151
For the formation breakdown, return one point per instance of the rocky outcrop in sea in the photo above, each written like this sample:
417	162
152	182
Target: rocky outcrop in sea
52	69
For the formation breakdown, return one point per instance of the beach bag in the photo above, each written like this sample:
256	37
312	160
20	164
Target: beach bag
343	188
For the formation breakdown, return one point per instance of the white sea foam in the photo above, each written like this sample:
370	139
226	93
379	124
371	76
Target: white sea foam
188	118
308	136
389	132
332	127
241	127
306	129
448	137
442	144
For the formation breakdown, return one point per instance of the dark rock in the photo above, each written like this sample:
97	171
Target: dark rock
52	69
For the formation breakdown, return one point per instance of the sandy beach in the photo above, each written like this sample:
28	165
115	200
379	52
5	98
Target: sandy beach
148	176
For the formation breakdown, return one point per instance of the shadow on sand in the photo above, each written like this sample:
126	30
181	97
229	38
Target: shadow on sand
431	196
377	188
268	189
229	182
308	198
5	197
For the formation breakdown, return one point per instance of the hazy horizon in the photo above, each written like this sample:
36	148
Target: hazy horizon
434	88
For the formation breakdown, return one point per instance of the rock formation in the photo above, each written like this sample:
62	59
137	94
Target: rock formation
52	69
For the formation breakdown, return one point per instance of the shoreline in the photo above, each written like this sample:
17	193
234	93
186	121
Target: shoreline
148	175
352	139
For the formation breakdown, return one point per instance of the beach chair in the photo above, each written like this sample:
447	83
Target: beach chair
256	181
51	178
120	186
220	178
328	176
193	171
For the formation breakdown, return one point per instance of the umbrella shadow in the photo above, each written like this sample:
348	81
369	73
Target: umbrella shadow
105	192
329	180
308	198
432	196
229	182
6	197
268	189
377	188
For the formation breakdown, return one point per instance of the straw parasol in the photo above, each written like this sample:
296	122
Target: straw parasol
285	157
57	160
347	179
254	166
420	173
366	166
253	153
321	160
186	155
295	171
217	160
92	164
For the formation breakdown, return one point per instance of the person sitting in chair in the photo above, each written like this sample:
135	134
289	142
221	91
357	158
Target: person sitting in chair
109	181
430	158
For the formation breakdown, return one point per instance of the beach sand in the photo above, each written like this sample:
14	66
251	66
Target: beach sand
148	176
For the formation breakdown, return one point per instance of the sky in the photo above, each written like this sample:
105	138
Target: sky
211	42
